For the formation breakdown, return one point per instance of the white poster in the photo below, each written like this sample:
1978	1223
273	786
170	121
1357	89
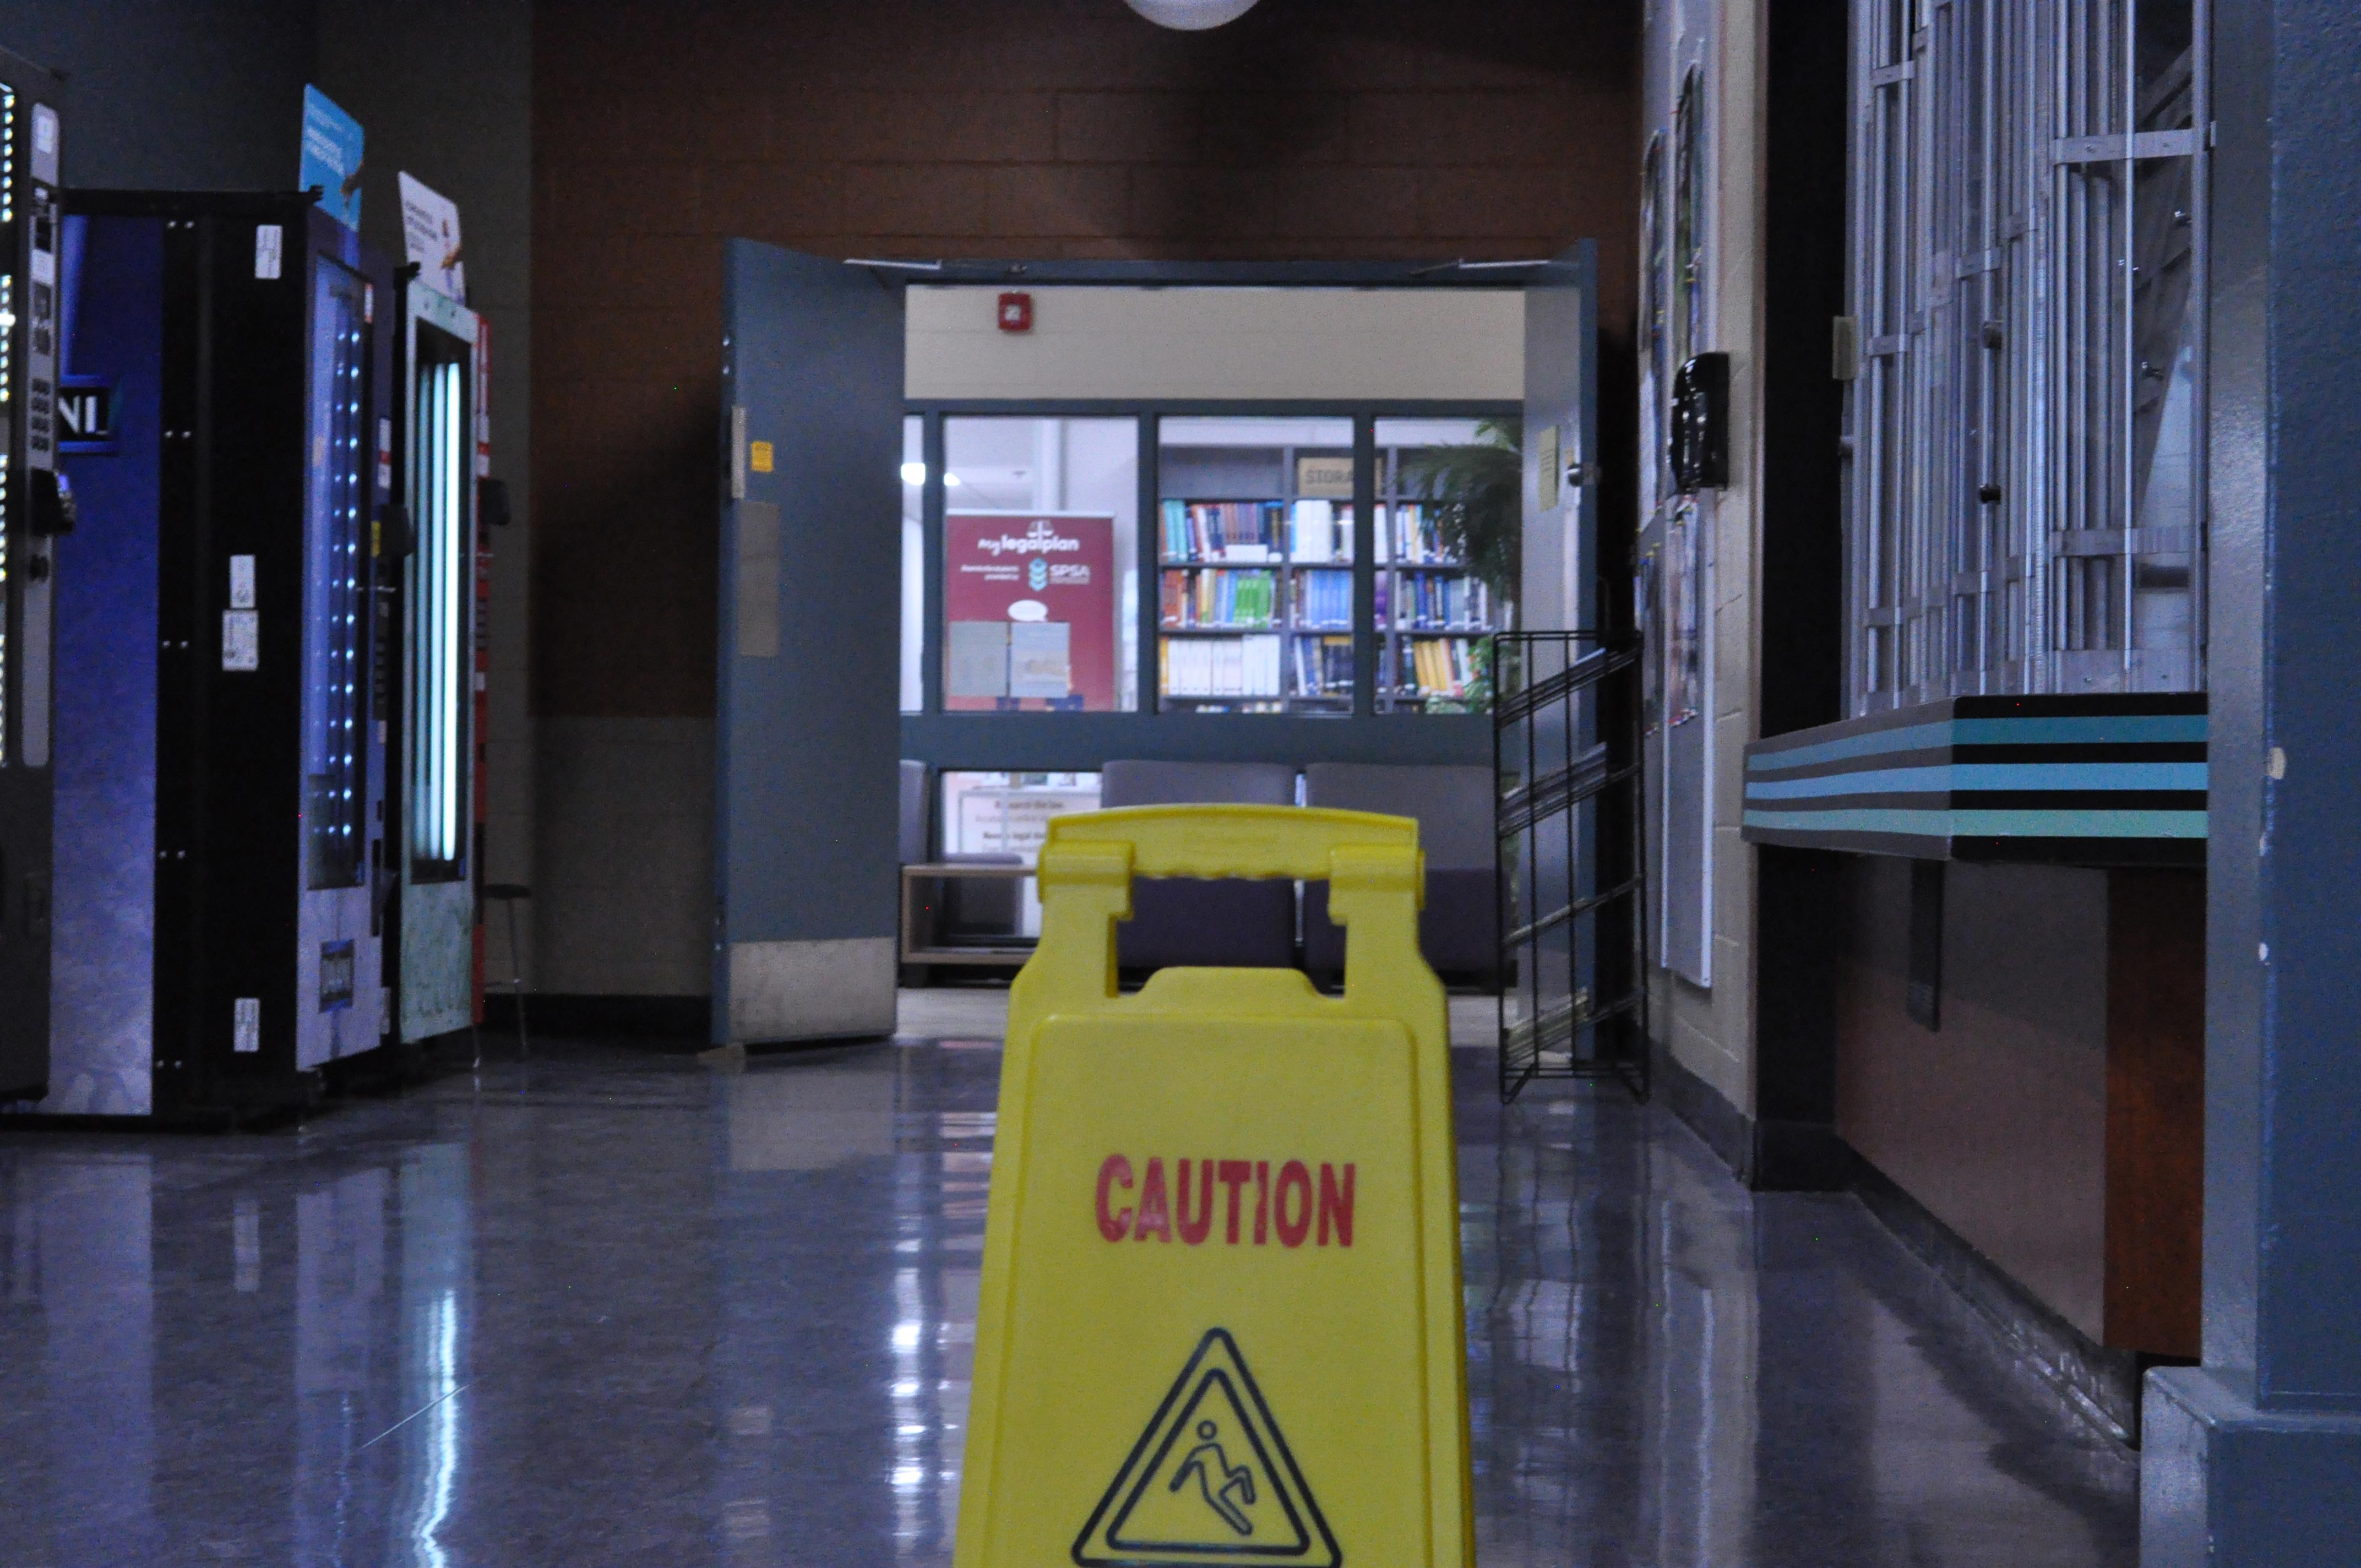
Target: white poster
430	235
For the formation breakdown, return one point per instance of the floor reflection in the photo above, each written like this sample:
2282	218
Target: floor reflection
613	1308
1668	1370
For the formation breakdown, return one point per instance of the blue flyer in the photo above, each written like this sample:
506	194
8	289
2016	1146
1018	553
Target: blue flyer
331	157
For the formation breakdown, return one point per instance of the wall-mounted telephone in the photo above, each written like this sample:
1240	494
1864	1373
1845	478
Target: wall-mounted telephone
1700	432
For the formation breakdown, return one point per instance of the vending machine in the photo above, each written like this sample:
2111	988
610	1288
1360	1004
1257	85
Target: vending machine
35	507
433	625
224	879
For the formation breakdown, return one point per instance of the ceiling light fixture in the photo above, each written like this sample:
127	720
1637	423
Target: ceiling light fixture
1190	16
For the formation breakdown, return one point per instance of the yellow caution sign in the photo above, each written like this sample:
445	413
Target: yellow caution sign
1220	1320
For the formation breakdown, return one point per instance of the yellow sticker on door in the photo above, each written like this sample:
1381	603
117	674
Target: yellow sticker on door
758	456
1211	1480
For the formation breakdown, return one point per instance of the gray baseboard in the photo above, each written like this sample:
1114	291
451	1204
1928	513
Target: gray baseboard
1727	1130
1767	1155
2104	1384
1798	1156
677	1023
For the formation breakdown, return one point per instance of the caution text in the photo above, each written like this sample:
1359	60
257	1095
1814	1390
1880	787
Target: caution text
1258	1200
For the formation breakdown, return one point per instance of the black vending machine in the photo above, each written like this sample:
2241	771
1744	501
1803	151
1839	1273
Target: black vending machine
33	509
221	892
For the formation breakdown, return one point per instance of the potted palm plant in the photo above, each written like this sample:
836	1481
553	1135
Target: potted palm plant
1476	489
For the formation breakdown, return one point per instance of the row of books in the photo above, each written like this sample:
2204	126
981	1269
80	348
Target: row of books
1324	598
1216	597
1442	666
1319	531
1315	531
1225	597
1222	666
1323	666
1428	601
1411	537
1223	530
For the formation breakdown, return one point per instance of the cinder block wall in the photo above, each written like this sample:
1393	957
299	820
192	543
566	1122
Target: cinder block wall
1020	128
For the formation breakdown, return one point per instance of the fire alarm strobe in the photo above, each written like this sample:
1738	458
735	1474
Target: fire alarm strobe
1016	312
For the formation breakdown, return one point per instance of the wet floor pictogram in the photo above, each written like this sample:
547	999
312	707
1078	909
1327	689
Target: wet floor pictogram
1211	1480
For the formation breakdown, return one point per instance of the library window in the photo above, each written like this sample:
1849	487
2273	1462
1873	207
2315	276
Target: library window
1448	524
1255	546
1040	581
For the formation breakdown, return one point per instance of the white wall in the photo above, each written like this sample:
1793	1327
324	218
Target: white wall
1711	1030
1102	342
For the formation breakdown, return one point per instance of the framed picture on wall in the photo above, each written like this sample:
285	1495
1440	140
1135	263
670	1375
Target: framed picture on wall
1683	613
1656	369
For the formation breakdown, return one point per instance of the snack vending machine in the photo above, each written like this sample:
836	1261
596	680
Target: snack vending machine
35	507
433	627
223	883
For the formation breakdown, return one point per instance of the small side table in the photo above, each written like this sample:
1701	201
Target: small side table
921	942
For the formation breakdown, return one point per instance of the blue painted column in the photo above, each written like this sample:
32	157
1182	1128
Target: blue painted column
2255	1457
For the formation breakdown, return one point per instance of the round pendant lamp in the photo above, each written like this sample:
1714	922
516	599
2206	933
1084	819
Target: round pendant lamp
1190	16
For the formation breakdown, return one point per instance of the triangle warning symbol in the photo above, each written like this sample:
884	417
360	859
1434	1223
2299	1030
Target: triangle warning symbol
1211	1481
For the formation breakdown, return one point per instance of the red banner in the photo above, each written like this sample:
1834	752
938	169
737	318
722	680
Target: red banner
1028	612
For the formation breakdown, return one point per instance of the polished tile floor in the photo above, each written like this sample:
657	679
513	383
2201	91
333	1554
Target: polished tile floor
607	1306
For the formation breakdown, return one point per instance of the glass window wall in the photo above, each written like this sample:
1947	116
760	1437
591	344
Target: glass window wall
1255	544
1040	572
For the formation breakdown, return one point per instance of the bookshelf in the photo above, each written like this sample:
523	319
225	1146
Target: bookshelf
1255	581
1433	613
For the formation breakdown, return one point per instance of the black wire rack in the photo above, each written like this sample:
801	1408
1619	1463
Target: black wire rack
1573	840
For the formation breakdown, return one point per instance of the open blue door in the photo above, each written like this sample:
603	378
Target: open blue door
1559	583
808	699
1566	732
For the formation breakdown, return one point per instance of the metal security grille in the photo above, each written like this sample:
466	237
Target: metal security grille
2027	412
1569	820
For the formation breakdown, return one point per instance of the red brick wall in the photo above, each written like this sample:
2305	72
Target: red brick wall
1317	129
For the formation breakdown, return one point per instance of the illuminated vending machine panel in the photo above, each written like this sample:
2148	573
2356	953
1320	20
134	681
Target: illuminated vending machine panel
33	510
223	888
434	786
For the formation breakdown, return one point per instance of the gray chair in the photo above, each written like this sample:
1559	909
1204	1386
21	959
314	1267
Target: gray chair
1460	924
1228	922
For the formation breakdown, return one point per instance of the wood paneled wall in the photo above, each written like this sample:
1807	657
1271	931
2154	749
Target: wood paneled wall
2156	1109
2055	1119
